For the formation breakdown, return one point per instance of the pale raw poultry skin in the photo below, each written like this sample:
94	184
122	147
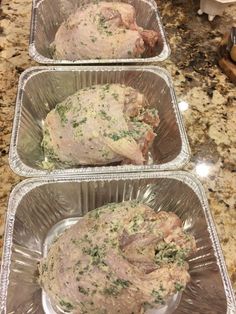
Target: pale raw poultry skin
106	30
120	258
100	125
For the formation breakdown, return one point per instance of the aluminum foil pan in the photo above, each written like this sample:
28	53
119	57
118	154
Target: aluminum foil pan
48	15
41	88
41	208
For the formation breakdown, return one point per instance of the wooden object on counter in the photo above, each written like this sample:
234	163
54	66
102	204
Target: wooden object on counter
233	53
226	63
232	43
214	7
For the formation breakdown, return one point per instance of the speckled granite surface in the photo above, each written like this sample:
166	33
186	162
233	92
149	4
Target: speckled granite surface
210	120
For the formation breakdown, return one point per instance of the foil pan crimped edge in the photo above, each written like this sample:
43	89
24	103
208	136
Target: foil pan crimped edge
25	186
20	168
35	55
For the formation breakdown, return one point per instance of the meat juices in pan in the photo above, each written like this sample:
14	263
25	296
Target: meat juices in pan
106	30
100	125
120	258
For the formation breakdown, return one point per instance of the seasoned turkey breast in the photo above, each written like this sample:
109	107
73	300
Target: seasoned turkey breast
99	125
106	30
120	258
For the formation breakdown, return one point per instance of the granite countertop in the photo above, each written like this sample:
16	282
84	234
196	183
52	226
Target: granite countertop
210	118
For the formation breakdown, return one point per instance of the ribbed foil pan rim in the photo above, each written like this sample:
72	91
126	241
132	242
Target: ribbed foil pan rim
35	55
23	170
25	186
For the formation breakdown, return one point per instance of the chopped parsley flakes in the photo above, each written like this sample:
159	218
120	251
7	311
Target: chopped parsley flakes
158	297
62	109
67	306
170	253
97	253
116	287
179	286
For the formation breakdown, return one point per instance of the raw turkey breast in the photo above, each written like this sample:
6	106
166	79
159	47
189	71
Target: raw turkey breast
99	125
106	30
120	258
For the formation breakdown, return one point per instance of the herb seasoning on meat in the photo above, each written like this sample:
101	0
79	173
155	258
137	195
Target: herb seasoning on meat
96	126
102	30
120	258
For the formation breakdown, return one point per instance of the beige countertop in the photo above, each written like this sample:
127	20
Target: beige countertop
210	119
